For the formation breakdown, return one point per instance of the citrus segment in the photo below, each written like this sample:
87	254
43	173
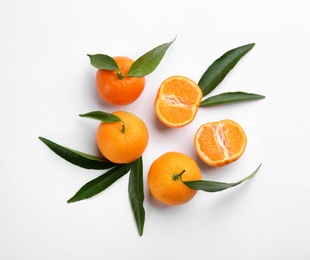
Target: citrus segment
165	178
220	143
115	87
177	101
122	142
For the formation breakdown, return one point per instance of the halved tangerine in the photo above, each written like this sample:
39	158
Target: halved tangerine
177	101
220	143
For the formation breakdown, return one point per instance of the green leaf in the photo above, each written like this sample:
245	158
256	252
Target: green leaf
101	183
102	116
229	97
218	70
148	62
136	193
103	62
214	186
78	158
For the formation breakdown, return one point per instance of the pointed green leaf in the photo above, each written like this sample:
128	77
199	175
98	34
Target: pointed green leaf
229	97
101	183
78	158
218	70
148	62
214	186
103	62
136	193
102	116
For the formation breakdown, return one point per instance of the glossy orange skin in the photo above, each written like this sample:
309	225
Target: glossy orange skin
162	181
115	87
120	146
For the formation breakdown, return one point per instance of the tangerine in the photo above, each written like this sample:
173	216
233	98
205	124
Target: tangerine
115	87
122	142
177	101
220	143
165	178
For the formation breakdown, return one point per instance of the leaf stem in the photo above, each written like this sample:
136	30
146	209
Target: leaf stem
178	176
123	127
120	75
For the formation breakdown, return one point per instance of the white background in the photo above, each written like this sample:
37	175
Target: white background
46	81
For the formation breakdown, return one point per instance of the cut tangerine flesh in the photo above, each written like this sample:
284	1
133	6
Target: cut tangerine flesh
177	101
220	143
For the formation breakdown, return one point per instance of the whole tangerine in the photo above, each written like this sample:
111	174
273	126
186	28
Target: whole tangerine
125	141
115	87
166	176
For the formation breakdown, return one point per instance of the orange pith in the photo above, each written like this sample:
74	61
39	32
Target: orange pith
163	180
220	143
119	146
115	87
177	101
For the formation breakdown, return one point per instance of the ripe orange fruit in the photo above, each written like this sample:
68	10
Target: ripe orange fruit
117	88
122	142
164	178
177	101
220	143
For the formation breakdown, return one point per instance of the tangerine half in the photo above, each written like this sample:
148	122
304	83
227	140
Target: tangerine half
220	143
177	101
